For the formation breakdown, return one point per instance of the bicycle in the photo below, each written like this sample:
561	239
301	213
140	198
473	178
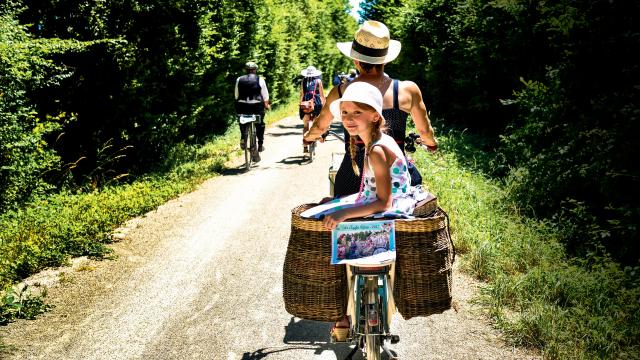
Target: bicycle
370	321
250	145
370	287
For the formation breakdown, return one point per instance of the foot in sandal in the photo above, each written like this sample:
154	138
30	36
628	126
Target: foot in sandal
340	330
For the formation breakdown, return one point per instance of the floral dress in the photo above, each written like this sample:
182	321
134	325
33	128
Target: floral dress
403	194
401	191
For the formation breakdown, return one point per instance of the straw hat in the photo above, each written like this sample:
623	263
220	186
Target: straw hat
361	92
372	44
311	71
251	65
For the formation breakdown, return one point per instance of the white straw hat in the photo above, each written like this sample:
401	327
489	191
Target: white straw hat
361	92
311	71
372	44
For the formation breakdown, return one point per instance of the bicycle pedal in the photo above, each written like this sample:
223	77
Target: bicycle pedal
395	339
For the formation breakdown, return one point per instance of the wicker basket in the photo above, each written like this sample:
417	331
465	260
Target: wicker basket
424	259
313	289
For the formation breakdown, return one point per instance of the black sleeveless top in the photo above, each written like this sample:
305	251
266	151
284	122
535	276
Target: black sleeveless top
396	126
249	87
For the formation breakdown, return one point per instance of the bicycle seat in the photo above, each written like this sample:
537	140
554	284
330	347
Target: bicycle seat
370	264
370	270
247	118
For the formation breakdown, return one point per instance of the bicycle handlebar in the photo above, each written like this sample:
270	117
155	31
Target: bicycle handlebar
413	139
331	132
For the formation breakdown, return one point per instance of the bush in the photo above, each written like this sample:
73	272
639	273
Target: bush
25	68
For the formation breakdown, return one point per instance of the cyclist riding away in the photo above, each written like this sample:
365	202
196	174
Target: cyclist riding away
252	98
311	93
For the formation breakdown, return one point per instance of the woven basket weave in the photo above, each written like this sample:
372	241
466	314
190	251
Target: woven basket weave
426	207
313	289
424	259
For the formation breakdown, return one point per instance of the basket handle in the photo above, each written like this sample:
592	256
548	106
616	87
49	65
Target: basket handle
449	233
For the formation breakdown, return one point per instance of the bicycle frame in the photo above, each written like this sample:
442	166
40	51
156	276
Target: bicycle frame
369	316
251	142
311	148
370	289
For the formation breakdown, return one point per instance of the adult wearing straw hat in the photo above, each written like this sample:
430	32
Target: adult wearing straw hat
311	95
370	50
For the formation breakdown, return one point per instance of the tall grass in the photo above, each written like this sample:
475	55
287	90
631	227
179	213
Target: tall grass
568	308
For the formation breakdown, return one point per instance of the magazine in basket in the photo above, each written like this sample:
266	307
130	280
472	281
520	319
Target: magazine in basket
363	243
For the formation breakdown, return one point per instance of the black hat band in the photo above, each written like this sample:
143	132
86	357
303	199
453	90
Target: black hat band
367	51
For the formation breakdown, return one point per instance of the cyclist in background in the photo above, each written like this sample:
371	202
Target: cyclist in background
311	88
352	75
252	98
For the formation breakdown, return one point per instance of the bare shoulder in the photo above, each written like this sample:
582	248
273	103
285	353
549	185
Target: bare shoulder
409	86
377	156
409	95
381	155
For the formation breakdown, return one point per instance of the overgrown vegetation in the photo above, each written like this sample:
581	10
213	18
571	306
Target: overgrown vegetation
94	91
105	107
570	308
550	89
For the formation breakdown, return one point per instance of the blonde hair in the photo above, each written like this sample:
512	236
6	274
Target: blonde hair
376	132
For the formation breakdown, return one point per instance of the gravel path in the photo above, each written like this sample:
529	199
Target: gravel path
200	278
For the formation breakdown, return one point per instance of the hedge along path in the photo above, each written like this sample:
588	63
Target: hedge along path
200	277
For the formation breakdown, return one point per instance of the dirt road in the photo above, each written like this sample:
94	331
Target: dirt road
200	278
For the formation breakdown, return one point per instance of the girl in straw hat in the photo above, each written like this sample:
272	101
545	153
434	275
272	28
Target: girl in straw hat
370	50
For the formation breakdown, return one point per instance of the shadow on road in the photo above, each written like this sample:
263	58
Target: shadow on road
303	335
294	160
299	133
282	126
234	171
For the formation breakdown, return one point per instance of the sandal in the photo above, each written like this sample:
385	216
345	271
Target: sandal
339	333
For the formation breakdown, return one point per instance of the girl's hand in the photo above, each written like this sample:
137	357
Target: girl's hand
332	220
325	199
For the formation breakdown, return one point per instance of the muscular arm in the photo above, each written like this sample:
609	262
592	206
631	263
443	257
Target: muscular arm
322	121
418	111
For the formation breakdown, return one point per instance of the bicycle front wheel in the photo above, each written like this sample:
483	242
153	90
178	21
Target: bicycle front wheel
248	149
372	345
312	151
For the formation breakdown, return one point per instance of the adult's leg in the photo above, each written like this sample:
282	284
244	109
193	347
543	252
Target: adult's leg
347	182
260	126
243	135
